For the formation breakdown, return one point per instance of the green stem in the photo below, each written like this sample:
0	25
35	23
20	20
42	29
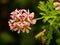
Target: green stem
38	18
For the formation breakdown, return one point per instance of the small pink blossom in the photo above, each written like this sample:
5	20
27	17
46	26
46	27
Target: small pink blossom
11	25
30	17
14	12
57	4
21	20
26	27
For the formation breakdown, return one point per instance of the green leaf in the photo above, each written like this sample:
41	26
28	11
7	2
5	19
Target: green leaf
42	13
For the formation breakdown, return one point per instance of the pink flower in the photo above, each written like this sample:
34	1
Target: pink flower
21	20
22	17
15	12
57	4
11	25
30	18
26	27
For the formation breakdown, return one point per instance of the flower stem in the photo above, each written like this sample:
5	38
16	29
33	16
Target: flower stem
38	18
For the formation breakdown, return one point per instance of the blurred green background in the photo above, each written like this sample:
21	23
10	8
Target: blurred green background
7	37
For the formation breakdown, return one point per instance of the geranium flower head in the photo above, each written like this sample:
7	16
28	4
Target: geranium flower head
21	20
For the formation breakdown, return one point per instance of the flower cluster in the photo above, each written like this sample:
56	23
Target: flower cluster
57	4
21	20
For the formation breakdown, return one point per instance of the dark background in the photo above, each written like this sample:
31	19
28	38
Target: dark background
7	37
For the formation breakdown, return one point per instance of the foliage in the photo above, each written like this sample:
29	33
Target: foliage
51	20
